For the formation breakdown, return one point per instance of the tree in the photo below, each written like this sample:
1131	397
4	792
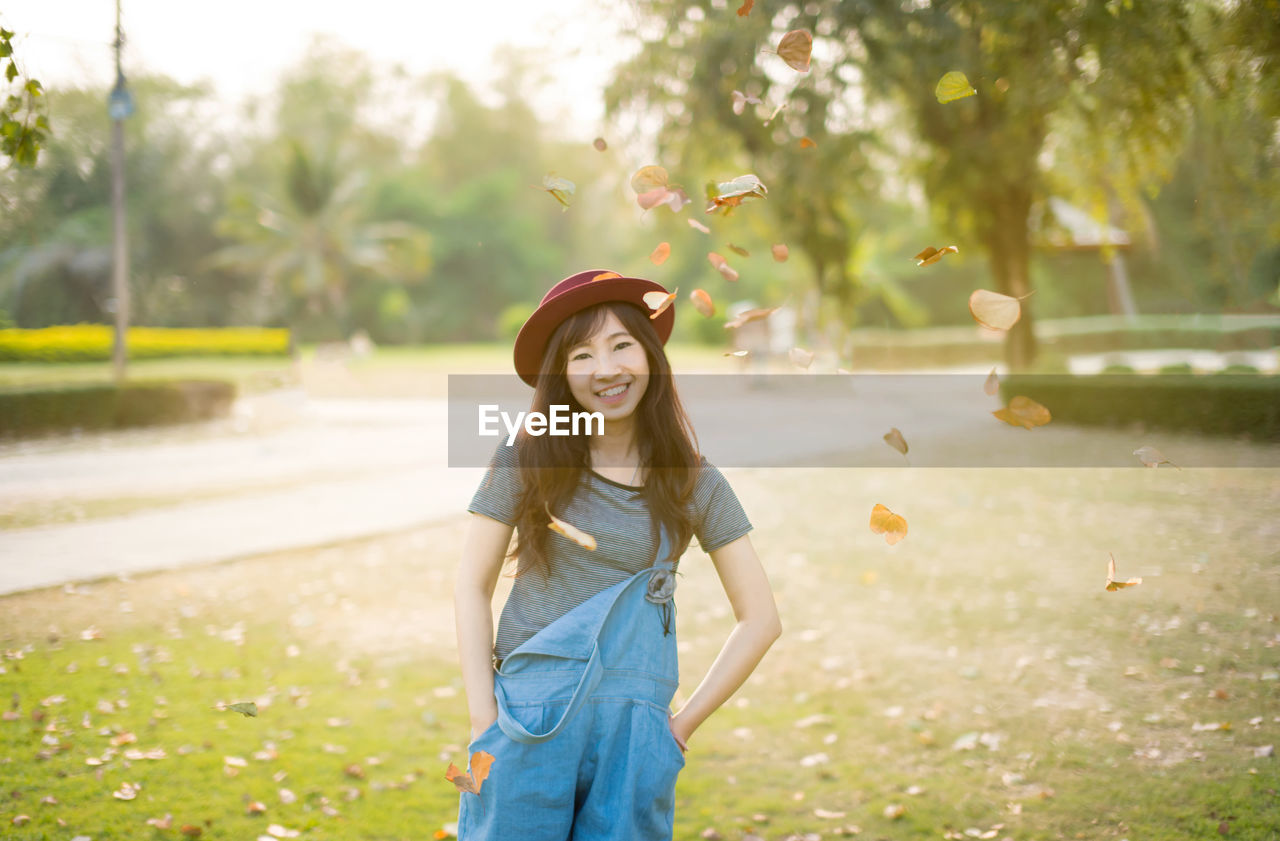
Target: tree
1122	66
24	126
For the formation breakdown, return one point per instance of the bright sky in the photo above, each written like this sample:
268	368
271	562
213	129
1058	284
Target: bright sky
243	45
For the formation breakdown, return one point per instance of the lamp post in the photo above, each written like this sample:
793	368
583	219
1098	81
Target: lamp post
119	107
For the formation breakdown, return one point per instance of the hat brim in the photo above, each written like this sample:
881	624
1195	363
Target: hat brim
532	339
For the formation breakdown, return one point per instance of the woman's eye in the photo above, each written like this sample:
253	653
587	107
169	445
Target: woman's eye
580	356
621	345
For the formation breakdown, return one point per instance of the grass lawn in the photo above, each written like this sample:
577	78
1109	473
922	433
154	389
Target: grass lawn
974	680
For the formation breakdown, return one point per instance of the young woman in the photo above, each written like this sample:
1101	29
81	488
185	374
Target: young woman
572	699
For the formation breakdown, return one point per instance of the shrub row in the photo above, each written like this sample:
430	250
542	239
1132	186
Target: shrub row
45	409
92	343
1220	404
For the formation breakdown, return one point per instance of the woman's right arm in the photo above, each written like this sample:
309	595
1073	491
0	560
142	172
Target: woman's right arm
483	554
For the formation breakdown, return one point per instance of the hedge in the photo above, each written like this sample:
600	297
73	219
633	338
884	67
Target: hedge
93	342
44	409
1217	404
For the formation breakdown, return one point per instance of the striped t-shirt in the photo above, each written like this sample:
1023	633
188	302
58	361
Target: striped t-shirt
617	515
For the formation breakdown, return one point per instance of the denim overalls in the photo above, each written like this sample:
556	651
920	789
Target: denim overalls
582	748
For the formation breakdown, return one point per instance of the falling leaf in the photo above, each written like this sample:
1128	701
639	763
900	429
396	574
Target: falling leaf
649	178
559	188
600	144
728	273
737	353
247	708
1112	583
991	309
480	764
1025	412
801	357
795	49
1152	457
730	194
676	198
952	86
745	8
932	255
894	439
992	385
892	526
741	101
738	249
702	303
604	276
658	302
806	142
774	113
715	259
749	316
660	254
781	252
698	226
579	537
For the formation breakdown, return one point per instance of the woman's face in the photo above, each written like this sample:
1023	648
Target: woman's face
609	372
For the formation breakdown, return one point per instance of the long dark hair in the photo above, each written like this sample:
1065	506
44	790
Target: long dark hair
553	466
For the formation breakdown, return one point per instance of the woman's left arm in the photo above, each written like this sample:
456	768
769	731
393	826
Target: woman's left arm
758	627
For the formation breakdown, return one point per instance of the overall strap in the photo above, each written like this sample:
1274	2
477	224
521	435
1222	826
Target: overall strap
594	669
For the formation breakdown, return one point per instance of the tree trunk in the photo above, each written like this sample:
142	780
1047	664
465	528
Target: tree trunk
1009	251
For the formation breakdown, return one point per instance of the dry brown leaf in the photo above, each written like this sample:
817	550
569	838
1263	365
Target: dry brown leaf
992	385
481	761
659	301
728	273
575	534
991	309
702	302
739	250
660	254
806	142
796	48
191	830
892	526
161	823
1025	412
745	8
716	260
932	255
894	439
894	811
1112	583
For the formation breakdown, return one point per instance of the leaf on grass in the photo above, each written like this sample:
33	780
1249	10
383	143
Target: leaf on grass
991	309
1112	583
1025	412
575	534
246	708
796	48
952	86
702	302
191	830
749	316
894	811
800	357
660	254
481	761
1152	457
161	823
894	439
892	526
931	255
127	791
992	385
659	301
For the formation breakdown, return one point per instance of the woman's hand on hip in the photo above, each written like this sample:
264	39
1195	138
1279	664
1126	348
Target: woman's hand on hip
678	732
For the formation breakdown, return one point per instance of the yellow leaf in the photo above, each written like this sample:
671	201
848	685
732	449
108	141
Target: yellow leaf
991	309
1023	411
702	302
795	48
952	86
649	178
1112	583
892	526
660	254
932	255
575	534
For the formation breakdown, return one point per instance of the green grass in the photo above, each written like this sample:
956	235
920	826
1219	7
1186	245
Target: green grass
989	618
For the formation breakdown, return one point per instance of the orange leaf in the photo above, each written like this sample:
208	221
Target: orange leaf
1023	411
781	252
748	316
932	255
991	309
191	830
745	8
806	142
715	259
1112	583
604	276
892	526
660	254
470	783
702	303
575	534
728	273
658	301
795	49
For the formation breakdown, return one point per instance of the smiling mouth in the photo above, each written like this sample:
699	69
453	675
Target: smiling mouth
614	391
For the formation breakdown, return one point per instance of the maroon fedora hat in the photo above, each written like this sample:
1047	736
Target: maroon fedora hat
576	293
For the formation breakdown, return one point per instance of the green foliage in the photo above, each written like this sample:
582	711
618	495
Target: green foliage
24	125
1245	405
513	318
88	342
42	410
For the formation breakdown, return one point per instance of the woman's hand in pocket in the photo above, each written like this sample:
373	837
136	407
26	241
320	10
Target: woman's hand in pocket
680	739
478	726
